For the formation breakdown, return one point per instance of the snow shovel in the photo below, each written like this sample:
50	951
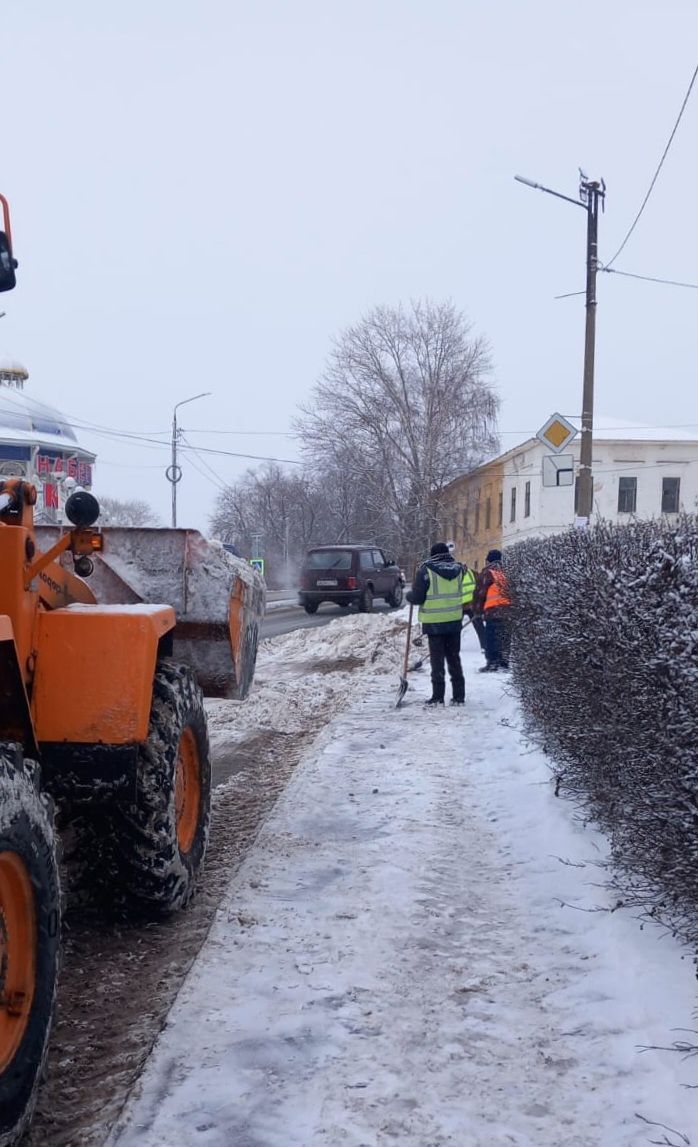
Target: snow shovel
403	680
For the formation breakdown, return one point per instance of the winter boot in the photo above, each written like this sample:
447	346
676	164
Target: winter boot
490	667
434	701
458	701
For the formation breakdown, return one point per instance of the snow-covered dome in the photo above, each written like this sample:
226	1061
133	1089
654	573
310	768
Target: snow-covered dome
24	419
12	369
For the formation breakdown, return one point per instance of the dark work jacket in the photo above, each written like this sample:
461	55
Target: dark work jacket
445	567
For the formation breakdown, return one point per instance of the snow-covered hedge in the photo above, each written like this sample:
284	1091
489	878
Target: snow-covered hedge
606	663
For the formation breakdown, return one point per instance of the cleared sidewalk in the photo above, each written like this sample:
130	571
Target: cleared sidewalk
409	955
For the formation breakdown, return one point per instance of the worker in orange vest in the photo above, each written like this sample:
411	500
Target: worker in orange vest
492	602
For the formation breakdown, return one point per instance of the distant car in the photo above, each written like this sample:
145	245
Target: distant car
349	575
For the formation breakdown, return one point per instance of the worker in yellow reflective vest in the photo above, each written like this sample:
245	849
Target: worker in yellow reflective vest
469	584
438	591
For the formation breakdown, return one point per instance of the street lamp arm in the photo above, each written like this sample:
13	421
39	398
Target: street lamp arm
549	191
204	394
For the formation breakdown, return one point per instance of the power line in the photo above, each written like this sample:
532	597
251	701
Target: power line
69	423
200	470
247	433
215	477
647	279
650	189
633	275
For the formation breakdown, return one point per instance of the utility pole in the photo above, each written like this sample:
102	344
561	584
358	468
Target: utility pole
174	472
591	194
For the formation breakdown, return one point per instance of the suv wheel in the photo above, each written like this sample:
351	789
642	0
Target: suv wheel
366	601
395	598
311	606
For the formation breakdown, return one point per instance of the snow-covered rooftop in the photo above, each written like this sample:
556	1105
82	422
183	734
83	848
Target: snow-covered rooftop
605	430
625	430
26	420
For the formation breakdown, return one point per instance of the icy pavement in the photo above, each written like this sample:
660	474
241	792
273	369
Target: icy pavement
410	955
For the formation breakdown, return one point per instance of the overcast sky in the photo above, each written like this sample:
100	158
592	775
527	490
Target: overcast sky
205	192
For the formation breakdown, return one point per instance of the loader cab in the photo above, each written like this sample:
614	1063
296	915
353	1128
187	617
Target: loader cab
7	264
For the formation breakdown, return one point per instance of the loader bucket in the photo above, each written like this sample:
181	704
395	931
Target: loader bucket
218	599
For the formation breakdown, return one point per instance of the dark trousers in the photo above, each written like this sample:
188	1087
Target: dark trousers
497	638
478	626
446	647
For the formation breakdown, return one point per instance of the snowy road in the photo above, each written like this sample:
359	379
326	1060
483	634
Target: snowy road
276	624
419	950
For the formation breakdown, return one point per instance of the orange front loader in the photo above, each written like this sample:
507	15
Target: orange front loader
101	714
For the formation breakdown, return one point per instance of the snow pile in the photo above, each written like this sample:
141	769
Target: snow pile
606	662
416	951
374	639
304	677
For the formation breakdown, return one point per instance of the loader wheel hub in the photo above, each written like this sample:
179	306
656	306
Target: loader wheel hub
17	954
187	790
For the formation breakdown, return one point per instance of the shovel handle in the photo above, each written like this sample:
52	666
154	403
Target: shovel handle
407	643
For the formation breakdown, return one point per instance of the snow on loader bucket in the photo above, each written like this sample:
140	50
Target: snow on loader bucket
218	599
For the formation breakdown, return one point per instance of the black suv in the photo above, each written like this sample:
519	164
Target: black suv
346	574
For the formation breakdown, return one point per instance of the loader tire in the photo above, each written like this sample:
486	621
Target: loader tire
29	939
160	840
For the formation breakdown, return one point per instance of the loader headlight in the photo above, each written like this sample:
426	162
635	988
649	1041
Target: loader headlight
82	509
83	566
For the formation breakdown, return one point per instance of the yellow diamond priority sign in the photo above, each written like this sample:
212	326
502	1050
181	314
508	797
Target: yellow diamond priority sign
557	433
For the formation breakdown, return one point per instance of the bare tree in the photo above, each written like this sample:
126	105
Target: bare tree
131	512
404	406
288	512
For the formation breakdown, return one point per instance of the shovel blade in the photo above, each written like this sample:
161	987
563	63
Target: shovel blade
401	692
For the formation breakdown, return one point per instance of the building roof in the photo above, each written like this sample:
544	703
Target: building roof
605	430
25	420
624	430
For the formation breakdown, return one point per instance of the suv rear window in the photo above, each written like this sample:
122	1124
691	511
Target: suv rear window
329	560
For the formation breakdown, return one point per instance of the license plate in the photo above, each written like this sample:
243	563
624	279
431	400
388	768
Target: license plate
328	581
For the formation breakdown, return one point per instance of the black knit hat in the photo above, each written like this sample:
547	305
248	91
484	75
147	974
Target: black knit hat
438	549
494	556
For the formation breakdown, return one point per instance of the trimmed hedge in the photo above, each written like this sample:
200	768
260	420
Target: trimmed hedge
605	660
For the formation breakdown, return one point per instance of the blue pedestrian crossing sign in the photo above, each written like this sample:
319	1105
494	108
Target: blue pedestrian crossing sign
258	564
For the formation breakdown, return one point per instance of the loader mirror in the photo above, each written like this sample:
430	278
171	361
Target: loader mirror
82	509
7	264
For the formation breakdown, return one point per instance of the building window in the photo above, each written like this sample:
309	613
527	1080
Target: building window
488	513
500	508
670	495
527	501
627	495
477	518
465	522
512	516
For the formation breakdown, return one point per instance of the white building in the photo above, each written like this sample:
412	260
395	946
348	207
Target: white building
638	472
38	443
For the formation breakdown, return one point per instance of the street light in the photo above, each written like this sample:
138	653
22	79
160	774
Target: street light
590	193
174	472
